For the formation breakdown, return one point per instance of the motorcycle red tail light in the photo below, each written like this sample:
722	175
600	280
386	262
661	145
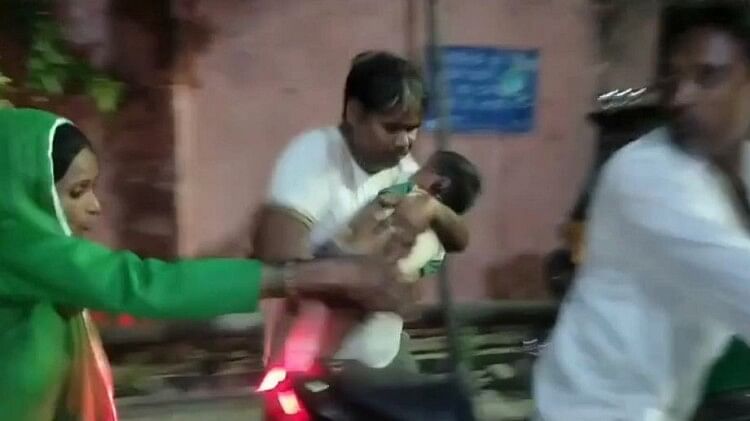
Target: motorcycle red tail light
289	403
281	402
273	378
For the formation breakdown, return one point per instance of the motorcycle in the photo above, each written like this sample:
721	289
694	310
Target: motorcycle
302	387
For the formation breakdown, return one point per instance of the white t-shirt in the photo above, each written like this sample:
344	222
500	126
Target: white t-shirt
664	285
317	177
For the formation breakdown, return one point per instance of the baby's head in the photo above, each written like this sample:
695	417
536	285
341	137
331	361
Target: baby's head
450	178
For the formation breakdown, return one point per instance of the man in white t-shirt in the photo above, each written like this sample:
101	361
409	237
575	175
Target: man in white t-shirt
326	175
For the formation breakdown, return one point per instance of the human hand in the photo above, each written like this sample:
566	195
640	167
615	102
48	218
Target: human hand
389	200
362	282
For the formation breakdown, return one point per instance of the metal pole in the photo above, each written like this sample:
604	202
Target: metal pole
442	133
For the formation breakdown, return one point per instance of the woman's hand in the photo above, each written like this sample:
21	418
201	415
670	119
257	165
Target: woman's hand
363	282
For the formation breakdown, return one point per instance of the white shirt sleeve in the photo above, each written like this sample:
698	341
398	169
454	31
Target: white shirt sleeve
301	178
674	235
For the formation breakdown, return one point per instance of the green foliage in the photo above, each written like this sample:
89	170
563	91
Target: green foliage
50	68
54	71
105	91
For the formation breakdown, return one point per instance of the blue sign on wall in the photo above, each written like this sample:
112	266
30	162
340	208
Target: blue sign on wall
489	90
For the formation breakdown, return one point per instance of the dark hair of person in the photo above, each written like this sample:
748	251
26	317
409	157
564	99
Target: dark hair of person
730	16
67	142
465	182
677	19
382	81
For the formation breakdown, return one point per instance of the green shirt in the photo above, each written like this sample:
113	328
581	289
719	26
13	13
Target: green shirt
732	371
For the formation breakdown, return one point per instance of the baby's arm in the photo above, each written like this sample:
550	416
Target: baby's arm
423	211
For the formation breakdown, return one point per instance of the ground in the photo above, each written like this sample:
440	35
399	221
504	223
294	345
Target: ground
490	407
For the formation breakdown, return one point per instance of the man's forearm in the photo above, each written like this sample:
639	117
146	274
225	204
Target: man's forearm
450	229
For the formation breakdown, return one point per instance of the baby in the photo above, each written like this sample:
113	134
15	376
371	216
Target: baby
447	177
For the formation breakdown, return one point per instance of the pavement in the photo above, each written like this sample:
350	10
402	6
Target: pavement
489	406
200	409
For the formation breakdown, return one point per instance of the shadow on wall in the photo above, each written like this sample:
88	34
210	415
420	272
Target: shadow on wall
519	278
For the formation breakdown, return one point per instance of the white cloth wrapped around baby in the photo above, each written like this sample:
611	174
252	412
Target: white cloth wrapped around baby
376	341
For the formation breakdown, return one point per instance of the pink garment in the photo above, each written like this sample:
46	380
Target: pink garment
302	334
91	390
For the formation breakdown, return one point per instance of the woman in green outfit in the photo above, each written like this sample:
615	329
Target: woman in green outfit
51	365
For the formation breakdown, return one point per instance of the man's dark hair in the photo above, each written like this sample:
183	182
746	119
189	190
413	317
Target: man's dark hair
67	142
731	16
465	181
381	81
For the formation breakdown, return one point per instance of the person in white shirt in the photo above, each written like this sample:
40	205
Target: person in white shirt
666	280
346	337
326	175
